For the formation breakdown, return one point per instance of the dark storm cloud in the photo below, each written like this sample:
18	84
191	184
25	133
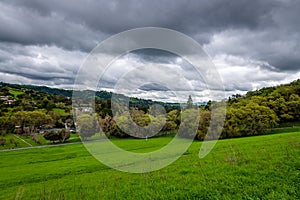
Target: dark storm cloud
27	26
154	55
44	64
48	40
80	25
238	86
50	21
153	87
39	76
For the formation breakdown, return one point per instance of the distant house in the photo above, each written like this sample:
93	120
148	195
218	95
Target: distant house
134	108
18	130
8	102
72	130
4	98
87	109
49	130
84	108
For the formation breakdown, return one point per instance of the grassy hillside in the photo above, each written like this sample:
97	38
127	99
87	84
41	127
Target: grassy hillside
260	167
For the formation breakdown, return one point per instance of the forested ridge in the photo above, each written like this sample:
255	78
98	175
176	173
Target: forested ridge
259	110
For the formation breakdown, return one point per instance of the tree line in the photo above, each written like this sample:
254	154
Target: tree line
250	114
254	113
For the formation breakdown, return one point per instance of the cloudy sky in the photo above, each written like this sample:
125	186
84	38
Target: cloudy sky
253	44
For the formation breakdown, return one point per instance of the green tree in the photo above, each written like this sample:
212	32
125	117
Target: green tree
293	106
12	141
47	104
52	136
6	124
172	120
64	134
110	128
21	119
136	123
31	119
37	119
189	124
189	102
87	125
2	141
250	119
174	116
59	136
204	121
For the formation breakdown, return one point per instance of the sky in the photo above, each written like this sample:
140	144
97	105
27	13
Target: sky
253	44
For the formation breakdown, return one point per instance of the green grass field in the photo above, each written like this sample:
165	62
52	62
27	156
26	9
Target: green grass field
9	145
260	167
15	92
59	111
29	142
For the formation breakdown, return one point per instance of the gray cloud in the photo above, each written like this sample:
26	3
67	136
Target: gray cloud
267	30
45	42
27	26
153	87
47	63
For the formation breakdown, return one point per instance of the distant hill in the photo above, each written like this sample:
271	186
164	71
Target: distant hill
102	95
67	93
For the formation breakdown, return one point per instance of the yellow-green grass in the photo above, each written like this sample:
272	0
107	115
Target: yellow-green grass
15	92
26	141
10	145
59	110
260	167
73	138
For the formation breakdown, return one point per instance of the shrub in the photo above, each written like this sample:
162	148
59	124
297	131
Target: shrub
2	142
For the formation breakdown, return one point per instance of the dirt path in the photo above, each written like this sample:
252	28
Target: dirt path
22	140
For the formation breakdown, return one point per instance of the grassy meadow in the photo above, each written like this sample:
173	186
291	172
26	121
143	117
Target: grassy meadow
260	167
26	141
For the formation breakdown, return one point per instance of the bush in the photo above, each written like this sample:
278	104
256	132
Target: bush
52	136
60	136
2	142
12	141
